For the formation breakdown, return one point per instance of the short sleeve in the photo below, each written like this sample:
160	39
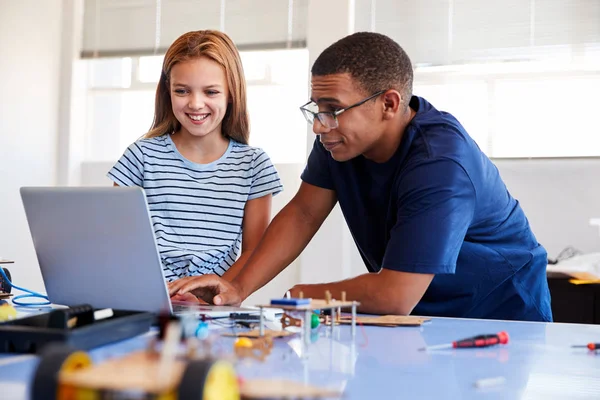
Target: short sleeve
436	204
317	171
129	170
265	179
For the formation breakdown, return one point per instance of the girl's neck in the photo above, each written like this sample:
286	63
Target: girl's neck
201	150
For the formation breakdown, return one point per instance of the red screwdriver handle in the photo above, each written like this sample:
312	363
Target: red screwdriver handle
482	341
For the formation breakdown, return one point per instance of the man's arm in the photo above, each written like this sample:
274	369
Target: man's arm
386	292
287	235
257	214
435	208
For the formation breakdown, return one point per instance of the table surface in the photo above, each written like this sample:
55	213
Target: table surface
384	362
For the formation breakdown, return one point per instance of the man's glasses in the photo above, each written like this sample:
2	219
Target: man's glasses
329	118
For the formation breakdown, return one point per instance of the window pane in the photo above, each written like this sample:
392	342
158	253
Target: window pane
276	123
278	127
255	65
103	126
467	101
150	69
117	119
137	115
110	72
547	117
291	67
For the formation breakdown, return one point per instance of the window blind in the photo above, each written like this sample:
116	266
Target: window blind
439	32
144	27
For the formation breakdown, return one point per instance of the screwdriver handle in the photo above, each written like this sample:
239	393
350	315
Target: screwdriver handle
482	341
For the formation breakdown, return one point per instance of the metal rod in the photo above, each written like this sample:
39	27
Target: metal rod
261	327
353	320
306	323
437	347
332	321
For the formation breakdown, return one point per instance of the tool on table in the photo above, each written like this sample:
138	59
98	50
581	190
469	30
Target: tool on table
591	346
490	382
475	341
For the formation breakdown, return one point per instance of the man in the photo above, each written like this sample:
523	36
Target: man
432	219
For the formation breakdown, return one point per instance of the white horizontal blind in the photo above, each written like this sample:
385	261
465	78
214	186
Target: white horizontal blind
138	27
514	72
420	27
442	32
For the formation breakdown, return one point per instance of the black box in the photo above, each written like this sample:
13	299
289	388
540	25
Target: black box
31	334
574	303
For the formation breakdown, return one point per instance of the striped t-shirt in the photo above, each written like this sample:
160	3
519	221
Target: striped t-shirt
196	209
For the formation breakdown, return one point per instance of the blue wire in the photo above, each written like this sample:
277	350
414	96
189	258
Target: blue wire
31	293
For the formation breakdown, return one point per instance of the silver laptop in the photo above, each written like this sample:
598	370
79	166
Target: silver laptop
96	245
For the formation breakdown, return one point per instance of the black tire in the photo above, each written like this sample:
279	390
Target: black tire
45	380
192	382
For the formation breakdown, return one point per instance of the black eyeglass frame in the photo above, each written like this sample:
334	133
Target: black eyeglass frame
310	116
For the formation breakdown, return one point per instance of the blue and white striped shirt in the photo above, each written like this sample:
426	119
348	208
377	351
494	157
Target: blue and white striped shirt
197	209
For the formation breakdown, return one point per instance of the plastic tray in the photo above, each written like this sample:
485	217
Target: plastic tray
31	334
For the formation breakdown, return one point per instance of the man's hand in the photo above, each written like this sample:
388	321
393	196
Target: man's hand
210	288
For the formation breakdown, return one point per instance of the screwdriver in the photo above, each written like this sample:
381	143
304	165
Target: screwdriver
475	341
591	346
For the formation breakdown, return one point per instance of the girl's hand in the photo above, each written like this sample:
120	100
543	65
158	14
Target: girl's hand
187	297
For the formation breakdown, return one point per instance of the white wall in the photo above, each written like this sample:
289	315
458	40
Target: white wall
559	197
30	46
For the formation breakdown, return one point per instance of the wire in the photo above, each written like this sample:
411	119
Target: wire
565	254
30	293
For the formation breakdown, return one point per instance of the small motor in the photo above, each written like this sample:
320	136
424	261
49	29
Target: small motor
5	287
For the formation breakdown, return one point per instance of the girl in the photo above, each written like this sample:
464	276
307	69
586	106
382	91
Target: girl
208	192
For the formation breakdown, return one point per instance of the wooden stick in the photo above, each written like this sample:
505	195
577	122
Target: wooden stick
170	346
339	310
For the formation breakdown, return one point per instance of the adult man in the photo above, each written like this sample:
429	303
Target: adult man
433	221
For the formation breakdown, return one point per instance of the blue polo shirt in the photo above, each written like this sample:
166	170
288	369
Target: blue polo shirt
439	206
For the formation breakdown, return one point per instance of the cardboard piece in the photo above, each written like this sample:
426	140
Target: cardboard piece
594	281
283	389
386	320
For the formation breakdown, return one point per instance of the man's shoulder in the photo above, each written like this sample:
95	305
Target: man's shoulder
440	136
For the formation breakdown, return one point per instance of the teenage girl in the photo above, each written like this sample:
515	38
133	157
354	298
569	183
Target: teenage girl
208	191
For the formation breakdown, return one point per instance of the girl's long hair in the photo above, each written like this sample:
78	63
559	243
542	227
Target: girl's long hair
220	48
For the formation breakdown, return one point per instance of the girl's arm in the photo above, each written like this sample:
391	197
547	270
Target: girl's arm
257	214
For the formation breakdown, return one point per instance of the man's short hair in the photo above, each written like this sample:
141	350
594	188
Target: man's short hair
373	60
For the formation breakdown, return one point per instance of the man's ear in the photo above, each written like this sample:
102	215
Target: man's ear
392	101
